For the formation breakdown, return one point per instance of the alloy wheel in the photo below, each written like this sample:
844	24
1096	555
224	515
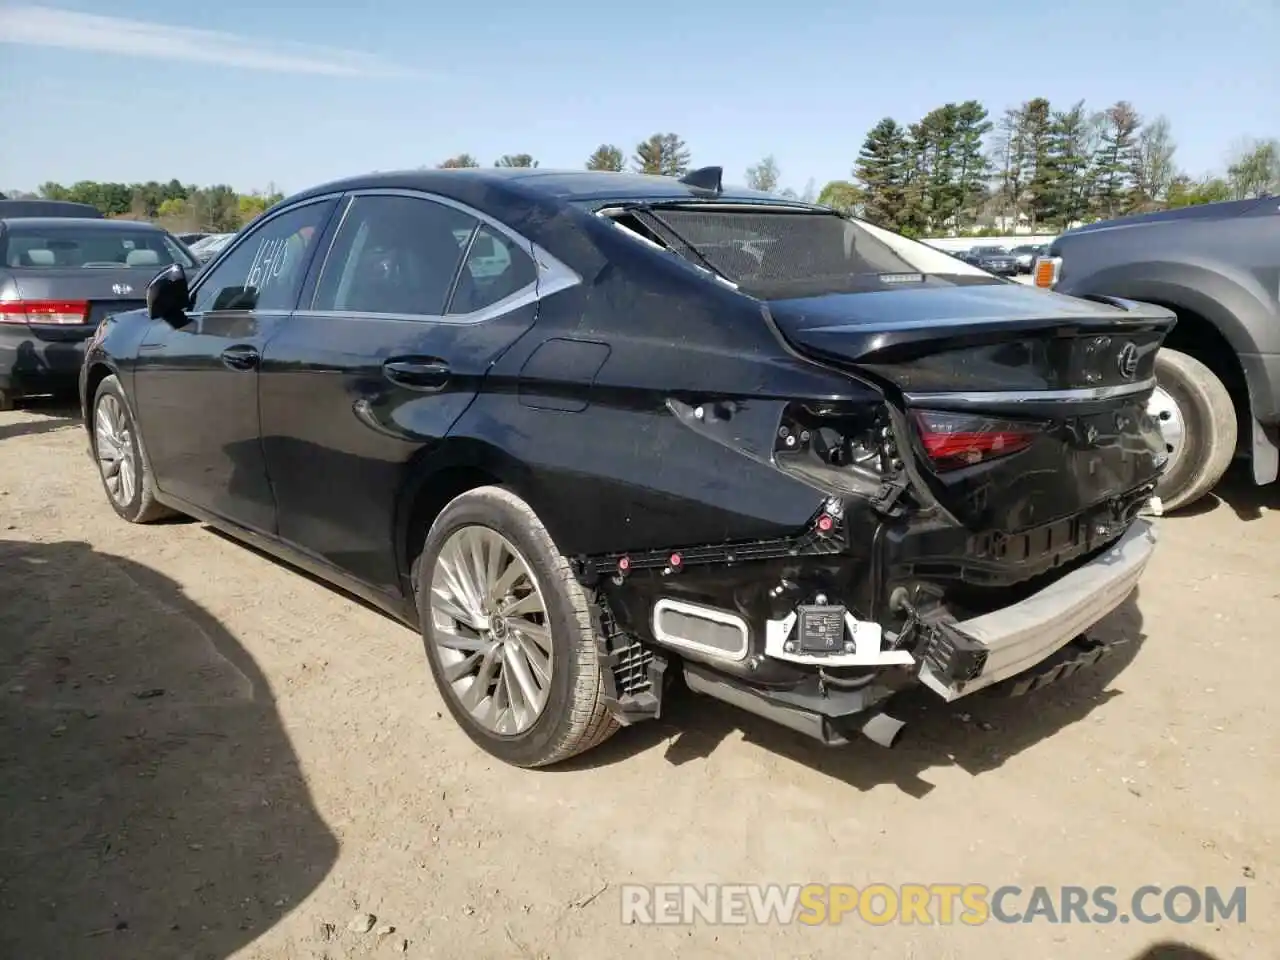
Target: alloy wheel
491	630
1168	417
113	442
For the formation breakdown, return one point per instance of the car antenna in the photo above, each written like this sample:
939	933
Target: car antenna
705	178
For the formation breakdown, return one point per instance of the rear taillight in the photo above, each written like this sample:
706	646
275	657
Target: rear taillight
955	440
1046	271
44	311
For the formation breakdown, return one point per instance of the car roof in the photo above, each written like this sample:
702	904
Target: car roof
48	208
536	182
91	222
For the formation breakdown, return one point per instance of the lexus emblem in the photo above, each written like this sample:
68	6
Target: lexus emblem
1127	361
121	289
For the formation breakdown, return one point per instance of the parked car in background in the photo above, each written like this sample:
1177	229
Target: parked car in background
588	430
190	238
59	277
992	259
210	245
1026	254
12	209
1217	266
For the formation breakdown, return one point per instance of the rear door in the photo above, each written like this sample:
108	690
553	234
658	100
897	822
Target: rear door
196	385
414	302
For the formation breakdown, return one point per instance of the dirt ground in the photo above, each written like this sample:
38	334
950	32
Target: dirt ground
206	754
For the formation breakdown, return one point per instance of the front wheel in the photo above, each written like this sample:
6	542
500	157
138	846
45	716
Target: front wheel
1197	422
118	450
508	632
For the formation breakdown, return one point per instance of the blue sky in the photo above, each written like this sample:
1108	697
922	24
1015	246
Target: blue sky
292	93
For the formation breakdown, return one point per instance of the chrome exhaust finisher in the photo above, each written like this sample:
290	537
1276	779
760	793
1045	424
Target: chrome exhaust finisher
705	633
883	729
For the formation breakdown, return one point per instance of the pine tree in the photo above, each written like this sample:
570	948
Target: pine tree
1037	123
972	167
664	154
1069	161
882	172
764	175
606	157
459	162
1114	164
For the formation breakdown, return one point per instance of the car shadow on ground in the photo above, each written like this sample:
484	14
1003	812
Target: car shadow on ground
1172	950
151	804
977	733
39	415
1239	493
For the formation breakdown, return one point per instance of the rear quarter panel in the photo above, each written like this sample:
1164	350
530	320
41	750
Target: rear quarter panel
603	459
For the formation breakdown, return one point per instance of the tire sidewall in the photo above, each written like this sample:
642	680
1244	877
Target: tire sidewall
1197	423
481	508
111	386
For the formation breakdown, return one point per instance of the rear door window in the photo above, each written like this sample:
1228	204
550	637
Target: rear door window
496	268
394	255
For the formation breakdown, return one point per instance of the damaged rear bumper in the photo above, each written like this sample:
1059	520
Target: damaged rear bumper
972	654
760	668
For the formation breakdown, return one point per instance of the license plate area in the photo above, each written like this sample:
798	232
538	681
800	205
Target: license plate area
820	629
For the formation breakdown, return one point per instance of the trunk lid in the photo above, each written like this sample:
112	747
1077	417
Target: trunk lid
103	291
1018	407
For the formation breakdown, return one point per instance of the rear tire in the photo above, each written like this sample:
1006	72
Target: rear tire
121	457
1199	428
483	653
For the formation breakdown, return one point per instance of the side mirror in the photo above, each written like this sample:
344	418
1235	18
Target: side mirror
168	296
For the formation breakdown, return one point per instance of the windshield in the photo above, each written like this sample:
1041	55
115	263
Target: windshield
90	246
211	243
774	252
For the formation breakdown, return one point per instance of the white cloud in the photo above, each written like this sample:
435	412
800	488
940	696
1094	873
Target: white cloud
47	27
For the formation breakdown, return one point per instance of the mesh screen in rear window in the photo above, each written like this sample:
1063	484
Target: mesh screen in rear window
774	254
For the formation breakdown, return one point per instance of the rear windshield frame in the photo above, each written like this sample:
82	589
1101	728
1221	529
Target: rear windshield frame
76	233
888	260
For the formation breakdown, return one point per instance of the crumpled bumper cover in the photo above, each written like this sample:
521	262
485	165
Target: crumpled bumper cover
973	654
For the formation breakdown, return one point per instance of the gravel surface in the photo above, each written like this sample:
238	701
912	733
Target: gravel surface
204	753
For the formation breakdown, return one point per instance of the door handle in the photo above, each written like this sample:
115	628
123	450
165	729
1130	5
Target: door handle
241	357
420	374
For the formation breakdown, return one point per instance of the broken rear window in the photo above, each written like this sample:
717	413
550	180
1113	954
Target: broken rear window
774	253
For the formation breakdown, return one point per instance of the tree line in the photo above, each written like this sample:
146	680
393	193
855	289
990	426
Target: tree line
956	170
180	207
1036	166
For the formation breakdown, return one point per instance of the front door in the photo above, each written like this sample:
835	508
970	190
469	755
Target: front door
414	303
197	384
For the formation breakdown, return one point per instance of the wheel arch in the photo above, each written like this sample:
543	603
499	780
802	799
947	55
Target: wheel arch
98	371
441	473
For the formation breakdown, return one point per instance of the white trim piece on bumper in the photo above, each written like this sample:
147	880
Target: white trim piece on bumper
1020	636
866	637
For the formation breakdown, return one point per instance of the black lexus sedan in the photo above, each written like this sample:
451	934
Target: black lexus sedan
588	432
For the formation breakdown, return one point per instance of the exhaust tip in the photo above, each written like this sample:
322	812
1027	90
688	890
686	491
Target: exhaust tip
883	729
